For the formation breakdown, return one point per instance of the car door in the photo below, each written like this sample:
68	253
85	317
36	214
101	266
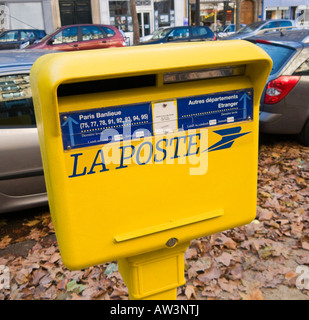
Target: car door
26	38
93	37
179	35
296	106
201	34
21	172
65	40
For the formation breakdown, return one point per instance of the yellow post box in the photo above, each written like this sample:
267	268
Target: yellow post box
145	148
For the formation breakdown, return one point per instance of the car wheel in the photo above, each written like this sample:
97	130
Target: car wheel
304	135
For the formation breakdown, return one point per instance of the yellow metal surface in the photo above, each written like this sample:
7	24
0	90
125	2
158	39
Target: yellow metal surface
106	211
154	275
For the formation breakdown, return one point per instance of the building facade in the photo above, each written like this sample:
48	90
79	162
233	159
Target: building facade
297	10
51	14
152	14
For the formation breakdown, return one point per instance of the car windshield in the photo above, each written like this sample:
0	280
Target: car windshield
44	39
251	27
160	34
48	36
279	54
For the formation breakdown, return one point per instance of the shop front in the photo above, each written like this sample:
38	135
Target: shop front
152	14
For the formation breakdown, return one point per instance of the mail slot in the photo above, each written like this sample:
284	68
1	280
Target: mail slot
146	148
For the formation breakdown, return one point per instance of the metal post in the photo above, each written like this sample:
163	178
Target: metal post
197	13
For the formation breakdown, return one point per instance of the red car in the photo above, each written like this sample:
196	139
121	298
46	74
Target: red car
81	37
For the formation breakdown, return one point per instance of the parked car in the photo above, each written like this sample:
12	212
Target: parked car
22	182
182	34
228	30
284	104
19	38
81	37
255	27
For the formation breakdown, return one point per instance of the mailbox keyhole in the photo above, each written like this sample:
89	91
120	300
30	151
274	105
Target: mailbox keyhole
171	242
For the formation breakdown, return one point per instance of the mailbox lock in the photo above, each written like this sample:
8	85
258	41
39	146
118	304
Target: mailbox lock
171	242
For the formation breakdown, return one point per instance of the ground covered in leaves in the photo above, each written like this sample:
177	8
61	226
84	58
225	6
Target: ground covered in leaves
253	262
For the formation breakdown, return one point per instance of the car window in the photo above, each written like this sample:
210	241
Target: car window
109	32
231	28
26	34
92	33
161	33
269	25
201	32
251	27
16	107
180	33
65	36
9	36
279	54
303	69
285	23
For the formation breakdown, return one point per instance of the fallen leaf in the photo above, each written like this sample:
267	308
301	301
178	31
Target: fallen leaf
189	292
118	292
191	253
226	285
112	267
225	259
31	223
305	245
6	240
73	286
255	294
22	276
210	274
37	276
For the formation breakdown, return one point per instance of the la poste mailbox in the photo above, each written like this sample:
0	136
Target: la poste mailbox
146	148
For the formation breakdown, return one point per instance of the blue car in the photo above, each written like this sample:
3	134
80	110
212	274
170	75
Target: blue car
20	38
182	34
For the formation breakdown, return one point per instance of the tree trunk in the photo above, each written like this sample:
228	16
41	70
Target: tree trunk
136	35
238	4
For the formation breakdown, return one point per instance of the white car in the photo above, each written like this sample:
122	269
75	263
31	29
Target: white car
228	30
22	183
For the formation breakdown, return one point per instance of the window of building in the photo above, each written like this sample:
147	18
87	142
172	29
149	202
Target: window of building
120	15
164	13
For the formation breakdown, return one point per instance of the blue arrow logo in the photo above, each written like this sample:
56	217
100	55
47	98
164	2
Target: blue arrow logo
245	97
70	122
228	137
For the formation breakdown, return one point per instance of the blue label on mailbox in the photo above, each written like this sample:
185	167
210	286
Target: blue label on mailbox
128	122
